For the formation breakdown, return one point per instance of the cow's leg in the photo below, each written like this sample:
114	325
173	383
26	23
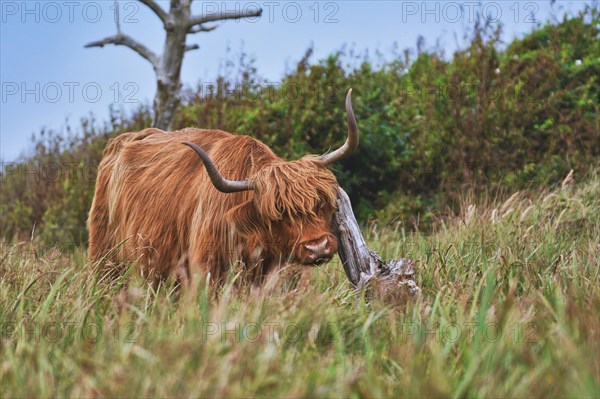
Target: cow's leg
182	272
100	241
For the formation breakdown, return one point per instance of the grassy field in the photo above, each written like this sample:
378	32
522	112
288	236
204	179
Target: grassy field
510	306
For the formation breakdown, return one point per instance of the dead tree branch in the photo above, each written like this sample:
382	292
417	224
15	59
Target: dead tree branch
191	47
122	39
362	265
202	28
223	15
160	13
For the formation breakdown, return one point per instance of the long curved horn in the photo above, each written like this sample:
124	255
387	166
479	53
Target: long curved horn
352	140
220	183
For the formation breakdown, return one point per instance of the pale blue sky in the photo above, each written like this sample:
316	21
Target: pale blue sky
47	76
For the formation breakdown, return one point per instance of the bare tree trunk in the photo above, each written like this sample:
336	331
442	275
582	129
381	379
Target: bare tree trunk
363	266
168	76
177	23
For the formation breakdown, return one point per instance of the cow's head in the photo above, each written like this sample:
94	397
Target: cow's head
293	202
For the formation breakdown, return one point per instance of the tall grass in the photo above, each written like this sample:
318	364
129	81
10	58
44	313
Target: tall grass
509	307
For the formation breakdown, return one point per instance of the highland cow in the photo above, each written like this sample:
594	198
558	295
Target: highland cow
156	204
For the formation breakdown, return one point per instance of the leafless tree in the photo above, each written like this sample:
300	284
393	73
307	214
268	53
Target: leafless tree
178	23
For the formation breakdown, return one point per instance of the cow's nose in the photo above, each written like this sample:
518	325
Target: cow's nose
318	252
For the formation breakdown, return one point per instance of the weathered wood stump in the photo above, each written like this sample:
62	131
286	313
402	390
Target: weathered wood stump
363	266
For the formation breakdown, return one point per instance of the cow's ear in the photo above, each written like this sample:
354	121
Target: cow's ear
246	220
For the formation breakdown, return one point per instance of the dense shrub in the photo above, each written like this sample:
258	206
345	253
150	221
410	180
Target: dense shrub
491	116
48	195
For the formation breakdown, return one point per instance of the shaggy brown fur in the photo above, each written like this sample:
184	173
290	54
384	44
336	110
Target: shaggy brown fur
154	204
